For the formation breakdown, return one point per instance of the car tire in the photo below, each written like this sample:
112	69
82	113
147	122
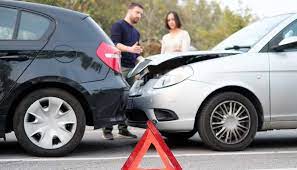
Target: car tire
49	122
182	136
225	129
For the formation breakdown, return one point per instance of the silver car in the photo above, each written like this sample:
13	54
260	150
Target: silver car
247	83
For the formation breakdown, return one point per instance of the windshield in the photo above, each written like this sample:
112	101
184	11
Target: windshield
247	37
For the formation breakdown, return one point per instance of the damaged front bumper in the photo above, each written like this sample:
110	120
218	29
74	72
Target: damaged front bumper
173	108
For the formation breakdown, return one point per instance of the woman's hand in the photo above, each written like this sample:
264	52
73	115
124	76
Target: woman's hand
178	49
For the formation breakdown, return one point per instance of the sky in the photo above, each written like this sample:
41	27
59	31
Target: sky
262	8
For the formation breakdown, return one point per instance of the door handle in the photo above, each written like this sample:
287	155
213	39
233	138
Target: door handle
3	54
14	58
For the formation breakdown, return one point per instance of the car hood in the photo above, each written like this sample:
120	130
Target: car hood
180	57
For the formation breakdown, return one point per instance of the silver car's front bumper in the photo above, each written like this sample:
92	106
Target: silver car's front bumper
182	99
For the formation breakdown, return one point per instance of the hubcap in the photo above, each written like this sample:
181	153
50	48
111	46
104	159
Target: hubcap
50	123
230	122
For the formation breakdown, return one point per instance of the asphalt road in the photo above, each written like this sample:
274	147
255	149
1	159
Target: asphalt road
270	150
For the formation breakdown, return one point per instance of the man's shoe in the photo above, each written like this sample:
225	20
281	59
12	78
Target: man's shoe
108	135
126	133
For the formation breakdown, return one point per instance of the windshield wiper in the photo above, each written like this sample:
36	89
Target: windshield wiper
236	47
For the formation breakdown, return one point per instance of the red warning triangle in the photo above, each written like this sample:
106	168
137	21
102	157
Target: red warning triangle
151	136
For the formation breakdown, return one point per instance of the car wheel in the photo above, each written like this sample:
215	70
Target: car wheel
228	122
182	136
49	122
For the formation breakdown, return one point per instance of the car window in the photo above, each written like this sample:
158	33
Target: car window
32	27
251	34
289	31
7	23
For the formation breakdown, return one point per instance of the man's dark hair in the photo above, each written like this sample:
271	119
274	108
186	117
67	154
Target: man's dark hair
134	4
176	19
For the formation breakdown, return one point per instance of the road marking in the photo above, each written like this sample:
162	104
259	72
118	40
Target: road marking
146	156
279	169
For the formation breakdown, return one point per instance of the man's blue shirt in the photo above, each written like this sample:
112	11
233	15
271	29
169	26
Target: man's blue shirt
124	33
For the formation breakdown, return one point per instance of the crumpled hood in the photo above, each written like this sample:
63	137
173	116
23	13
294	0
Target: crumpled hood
161	58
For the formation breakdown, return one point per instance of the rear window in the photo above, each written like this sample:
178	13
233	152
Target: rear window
96	31
32	27
7	23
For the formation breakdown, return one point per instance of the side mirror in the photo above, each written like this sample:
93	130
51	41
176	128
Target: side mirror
286	43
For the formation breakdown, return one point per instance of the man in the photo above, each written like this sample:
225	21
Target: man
126	38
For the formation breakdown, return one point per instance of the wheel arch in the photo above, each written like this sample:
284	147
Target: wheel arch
21	92
241	90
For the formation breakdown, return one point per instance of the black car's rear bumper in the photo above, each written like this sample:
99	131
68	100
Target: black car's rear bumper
107	100
110	108
2	125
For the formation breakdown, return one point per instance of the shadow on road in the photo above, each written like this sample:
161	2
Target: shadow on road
276	139
10	147
94	144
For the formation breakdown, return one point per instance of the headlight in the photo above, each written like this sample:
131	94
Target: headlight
174	77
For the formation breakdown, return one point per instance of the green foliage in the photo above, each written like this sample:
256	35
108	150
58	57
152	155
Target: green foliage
207	23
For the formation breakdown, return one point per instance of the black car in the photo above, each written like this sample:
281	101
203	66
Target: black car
59	72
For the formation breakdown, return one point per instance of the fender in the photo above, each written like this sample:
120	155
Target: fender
19	91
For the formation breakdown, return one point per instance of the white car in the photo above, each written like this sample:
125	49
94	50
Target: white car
247	83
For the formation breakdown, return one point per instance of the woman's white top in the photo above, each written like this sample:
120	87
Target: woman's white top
176	43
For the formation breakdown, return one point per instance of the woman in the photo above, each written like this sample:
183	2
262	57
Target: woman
177	40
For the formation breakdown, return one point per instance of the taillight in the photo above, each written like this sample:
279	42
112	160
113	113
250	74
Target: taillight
110	55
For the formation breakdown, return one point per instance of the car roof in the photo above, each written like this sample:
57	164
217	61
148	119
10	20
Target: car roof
52	11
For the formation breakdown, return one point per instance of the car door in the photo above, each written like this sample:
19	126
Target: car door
22	35
283	77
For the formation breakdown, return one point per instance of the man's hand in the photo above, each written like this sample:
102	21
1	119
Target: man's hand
136	49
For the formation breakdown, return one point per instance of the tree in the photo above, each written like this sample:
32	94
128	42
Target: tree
207	23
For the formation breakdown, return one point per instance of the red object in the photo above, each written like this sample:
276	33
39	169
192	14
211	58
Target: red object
110	55
151	136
